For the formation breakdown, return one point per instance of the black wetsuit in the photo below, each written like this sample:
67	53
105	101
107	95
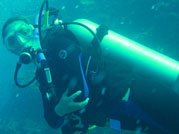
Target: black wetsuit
66	73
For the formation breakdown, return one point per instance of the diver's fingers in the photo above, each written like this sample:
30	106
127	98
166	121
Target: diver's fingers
65	94
76	94
82	104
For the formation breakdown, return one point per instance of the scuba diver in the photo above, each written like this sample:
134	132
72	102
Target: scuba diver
65	98
75	87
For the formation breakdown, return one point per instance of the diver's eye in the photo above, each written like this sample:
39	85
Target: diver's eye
25	32
11	41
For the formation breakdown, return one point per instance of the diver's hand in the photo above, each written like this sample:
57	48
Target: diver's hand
67	105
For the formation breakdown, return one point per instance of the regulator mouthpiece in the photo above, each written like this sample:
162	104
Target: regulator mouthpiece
25	58
27	55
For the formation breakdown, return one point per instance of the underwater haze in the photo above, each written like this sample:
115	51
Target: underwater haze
154	23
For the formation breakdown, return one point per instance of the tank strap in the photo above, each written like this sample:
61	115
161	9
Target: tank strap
101	31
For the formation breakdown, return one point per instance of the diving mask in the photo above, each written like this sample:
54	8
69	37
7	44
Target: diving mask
18	41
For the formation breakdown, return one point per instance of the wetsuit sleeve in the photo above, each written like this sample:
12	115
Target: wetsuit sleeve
54	120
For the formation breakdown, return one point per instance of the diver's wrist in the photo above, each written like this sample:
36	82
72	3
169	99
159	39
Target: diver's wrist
59	111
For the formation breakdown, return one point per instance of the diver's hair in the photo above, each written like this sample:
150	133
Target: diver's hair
10	21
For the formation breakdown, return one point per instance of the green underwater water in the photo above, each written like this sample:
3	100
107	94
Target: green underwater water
151	22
